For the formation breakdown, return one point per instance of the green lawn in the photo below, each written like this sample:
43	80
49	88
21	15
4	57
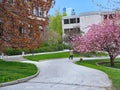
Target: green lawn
49	56
10	71
114	74
61	55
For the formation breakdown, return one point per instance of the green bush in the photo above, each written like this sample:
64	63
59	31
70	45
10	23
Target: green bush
50	48
13	51
44	44
44	48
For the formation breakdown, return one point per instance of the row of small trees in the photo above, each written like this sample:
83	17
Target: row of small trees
55	27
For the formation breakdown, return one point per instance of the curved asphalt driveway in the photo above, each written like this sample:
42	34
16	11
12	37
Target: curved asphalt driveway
62	74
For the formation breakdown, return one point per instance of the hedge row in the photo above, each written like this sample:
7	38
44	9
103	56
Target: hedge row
50	48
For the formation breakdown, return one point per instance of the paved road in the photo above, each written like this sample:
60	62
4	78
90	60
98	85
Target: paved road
62	74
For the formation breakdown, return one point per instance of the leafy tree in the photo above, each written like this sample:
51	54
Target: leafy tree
56	22
19	27
100	37
53	37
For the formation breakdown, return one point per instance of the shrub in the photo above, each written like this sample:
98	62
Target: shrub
44	48
50	48
13	51
44	44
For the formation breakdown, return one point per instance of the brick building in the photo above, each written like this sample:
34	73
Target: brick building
23	23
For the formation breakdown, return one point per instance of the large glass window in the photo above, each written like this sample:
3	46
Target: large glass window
73	20
66	21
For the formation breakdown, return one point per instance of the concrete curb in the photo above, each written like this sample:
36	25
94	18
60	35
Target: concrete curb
107	88
112	87
20	80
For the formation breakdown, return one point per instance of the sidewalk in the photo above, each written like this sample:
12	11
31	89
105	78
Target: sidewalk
62	74
18	57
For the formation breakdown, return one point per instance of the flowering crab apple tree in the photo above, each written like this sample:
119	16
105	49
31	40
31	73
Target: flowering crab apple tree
100	37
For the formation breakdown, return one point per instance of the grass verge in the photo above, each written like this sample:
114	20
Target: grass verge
114	74
50	56
61	55
10	71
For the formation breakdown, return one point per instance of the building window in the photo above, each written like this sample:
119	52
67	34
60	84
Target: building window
73	20
34	11
20	30
66	31
105	17
1	29
111	16
13	2
78	20
39	11
66	21
45	14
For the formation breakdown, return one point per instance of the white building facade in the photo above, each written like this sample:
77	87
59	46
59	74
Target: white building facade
69	23
84	20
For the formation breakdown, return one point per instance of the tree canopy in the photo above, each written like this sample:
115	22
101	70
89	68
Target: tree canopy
100	37
56	22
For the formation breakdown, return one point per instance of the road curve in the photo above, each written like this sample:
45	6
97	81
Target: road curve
63	74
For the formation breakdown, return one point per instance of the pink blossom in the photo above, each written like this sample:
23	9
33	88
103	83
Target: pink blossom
100	37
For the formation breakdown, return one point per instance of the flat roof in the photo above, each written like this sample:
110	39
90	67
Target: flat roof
91	13
97	13
72	16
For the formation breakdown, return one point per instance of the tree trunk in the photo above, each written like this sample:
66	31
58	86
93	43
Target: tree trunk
112	61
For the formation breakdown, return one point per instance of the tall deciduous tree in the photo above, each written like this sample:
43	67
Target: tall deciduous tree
101	37
53	37
56	22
